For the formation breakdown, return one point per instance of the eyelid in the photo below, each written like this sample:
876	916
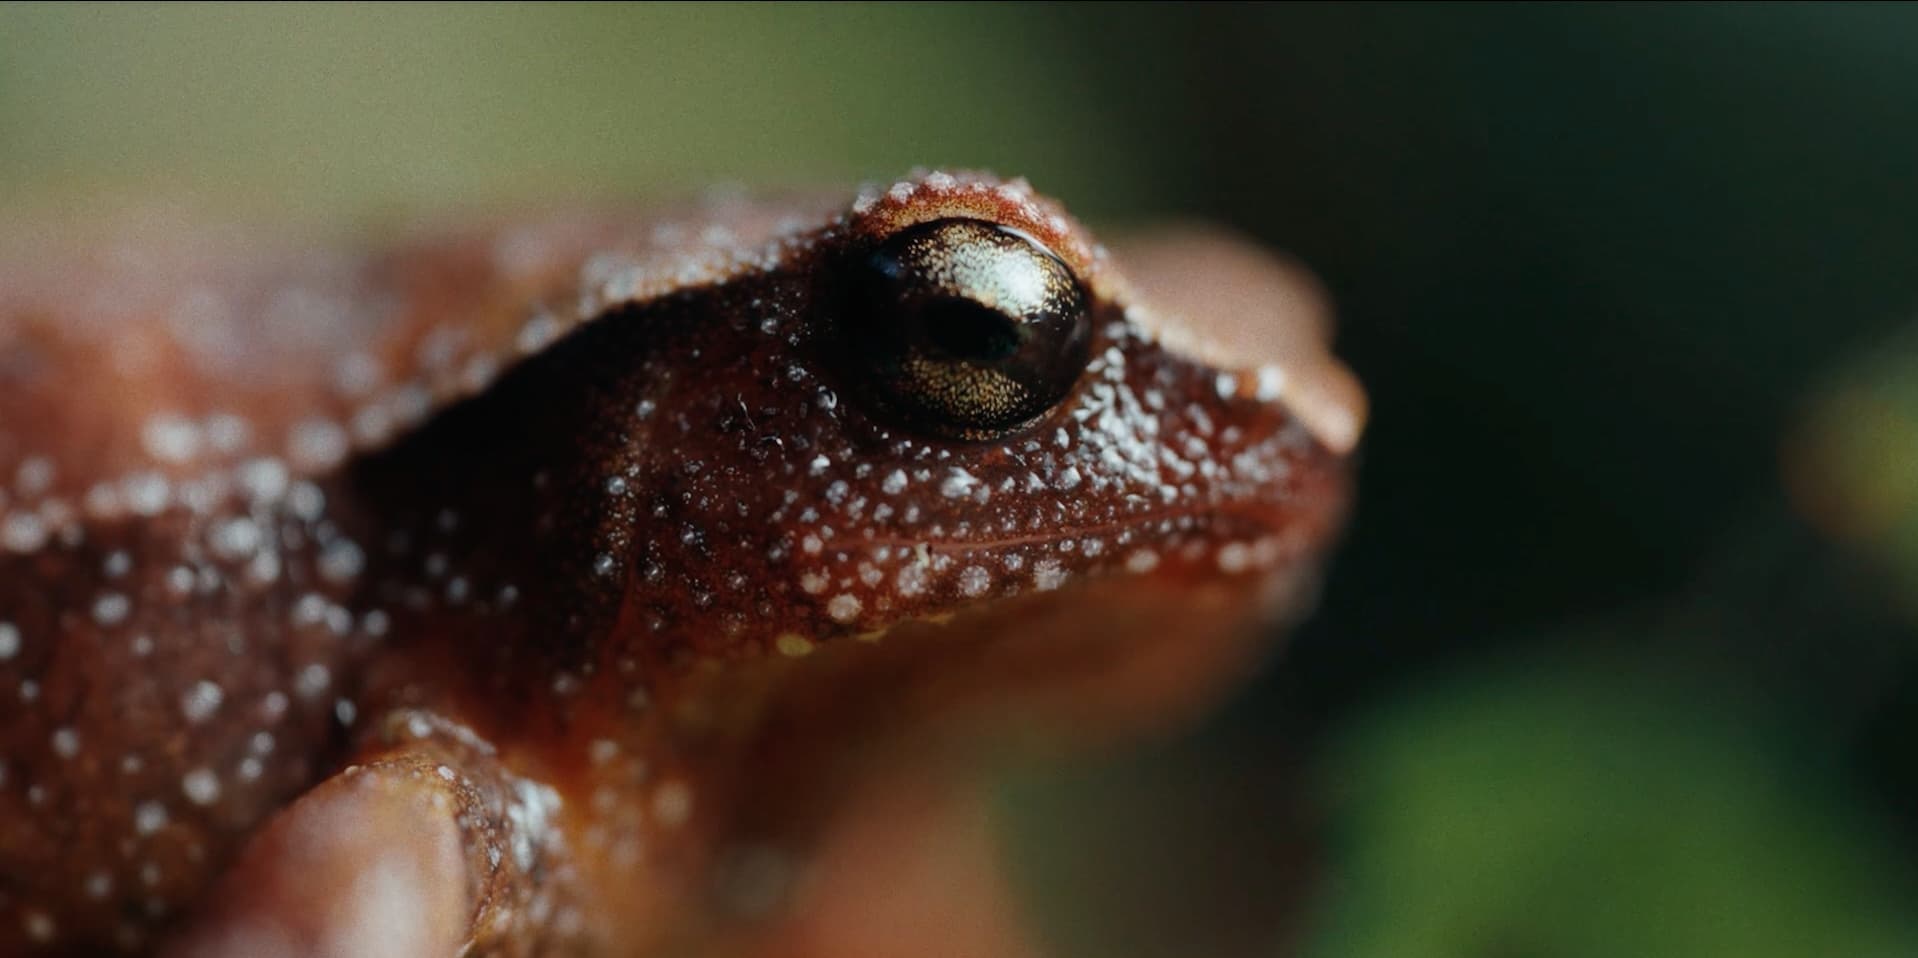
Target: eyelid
881	211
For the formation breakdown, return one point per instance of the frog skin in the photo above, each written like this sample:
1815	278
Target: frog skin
606	584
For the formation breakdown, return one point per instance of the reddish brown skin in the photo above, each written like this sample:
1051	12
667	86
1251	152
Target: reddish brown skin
635	611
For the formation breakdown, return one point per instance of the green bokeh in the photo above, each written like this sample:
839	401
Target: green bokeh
1586	813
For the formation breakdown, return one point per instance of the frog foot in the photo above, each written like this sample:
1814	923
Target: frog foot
427	846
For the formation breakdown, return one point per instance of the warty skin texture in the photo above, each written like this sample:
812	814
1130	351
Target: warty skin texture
562	587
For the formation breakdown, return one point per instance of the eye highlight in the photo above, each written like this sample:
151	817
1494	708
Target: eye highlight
965	328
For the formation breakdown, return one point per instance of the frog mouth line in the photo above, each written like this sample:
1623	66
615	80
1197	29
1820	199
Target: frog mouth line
1265	520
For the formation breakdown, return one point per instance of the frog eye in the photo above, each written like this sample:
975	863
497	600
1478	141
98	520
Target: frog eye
967	328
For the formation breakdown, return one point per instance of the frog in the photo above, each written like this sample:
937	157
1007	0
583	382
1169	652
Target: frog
618	581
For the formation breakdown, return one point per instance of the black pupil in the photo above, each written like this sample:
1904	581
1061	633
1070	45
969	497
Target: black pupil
965	328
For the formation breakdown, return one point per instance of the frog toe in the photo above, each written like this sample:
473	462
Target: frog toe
369	863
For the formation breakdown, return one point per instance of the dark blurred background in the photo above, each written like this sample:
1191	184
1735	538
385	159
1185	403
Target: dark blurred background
1620	656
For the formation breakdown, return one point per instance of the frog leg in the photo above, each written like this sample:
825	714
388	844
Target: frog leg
425	846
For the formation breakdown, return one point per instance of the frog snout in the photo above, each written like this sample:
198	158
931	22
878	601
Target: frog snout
1261	319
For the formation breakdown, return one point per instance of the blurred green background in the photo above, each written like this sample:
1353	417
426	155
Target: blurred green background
1620	657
